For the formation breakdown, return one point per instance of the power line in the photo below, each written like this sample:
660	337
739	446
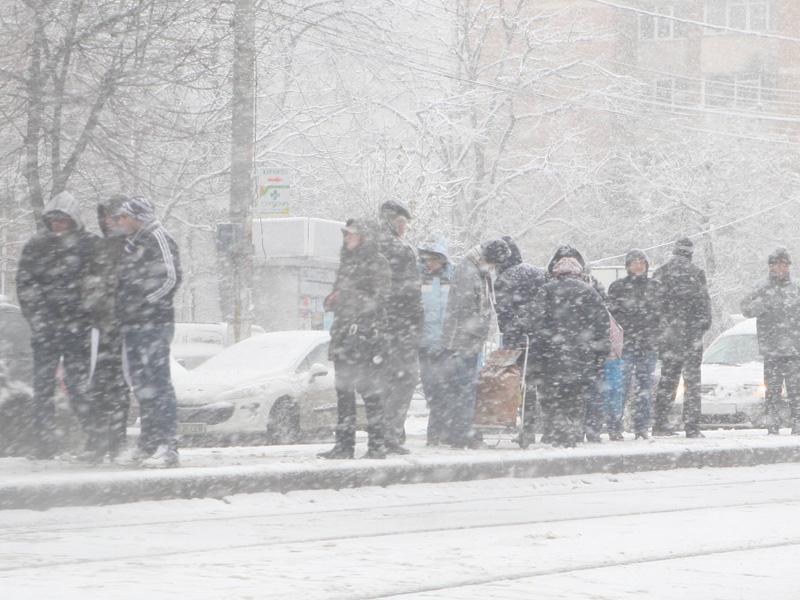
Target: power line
706	24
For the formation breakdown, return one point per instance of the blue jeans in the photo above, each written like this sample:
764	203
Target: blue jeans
614	394
146	349
461	370
638	366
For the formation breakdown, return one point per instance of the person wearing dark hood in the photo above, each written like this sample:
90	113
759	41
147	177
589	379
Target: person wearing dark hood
568	326
466	329
108	389
633	302
776	308
359	303
52	267
517	283
685	311
436	272
405	320
149	275
595	407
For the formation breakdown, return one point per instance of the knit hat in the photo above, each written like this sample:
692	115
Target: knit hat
779	255
684	247
138	207
635	254
395	208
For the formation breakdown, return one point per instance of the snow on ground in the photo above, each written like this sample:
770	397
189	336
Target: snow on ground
706	533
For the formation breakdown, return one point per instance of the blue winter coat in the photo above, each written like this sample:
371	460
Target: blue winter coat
435	291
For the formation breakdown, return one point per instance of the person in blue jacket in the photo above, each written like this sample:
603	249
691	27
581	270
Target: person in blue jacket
435	271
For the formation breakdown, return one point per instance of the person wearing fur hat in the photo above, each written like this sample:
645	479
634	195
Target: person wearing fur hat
52	268
685	316
466	329
775	305
568	326
633	302
149	275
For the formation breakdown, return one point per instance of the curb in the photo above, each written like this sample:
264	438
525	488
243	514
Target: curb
216	482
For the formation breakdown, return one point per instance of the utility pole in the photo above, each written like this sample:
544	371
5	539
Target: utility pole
242	159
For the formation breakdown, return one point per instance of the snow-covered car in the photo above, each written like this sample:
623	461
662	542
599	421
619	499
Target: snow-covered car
277	386
195	343
732	385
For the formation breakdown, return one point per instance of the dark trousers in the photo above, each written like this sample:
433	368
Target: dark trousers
565	396
72	351
146	350
352	377
777	370
109	395
401	372
675	361
432	365
461	369
639	367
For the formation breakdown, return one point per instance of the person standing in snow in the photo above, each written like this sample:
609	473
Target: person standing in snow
52	267
436	272
516	285
595	407
685	311
149	275
108	389
569	330
633	302
466	329
404	326
359	304
776	307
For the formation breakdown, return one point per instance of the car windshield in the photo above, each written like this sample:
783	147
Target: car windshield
733	350
258	353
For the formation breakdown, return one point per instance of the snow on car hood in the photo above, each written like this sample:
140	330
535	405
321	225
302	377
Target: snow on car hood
200	388
733	375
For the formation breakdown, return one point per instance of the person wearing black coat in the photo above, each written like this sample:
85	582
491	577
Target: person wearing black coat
406	317
359	303
50	275
776	307
569	330
108	389
149	274
685	311
633	302
517	283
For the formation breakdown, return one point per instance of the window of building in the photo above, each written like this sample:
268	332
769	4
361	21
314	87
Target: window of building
652	27
750	15
741	91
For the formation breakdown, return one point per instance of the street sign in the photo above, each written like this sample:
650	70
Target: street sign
272	192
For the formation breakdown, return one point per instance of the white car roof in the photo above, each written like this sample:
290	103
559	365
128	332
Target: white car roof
746	327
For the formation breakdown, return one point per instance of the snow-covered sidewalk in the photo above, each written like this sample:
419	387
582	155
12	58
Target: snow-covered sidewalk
217	472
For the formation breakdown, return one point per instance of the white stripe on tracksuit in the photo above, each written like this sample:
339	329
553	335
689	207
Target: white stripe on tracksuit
169	262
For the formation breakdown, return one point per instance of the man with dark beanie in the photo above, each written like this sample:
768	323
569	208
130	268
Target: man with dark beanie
633	301
685	311
776	306
149	275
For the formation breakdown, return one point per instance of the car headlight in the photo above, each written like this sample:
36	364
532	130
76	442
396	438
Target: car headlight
759	390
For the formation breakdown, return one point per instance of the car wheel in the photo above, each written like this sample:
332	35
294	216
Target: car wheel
283	425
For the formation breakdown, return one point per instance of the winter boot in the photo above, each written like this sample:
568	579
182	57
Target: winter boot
642	435
337	452
616	436
694	434
375	452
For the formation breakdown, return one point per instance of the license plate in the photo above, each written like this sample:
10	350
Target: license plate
718	409
191	428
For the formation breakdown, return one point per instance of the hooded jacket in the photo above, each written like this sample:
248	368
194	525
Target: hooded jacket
149	276
435	293
359	301
776	307
51	273
633	301
469	309
517	284
568	323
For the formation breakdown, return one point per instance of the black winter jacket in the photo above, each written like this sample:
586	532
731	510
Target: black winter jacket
50	276
569	326
776	307
684	303
359	303
516	285
634	303
149	276
405	313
